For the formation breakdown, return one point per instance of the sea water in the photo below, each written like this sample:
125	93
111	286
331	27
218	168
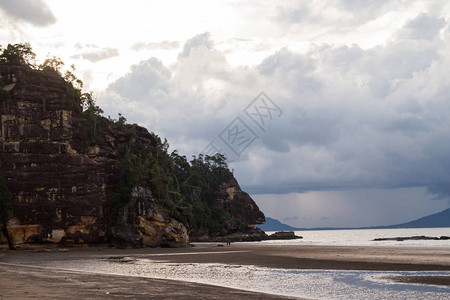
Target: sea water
365	237
311	284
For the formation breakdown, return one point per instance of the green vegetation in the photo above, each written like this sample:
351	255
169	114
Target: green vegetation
198	183
188	190
145	165
22	55
18	55
93	113
78	100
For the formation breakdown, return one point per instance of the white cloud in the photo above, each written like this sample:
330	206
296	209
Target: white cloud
344	22
164	45
352	117
422	27
96	54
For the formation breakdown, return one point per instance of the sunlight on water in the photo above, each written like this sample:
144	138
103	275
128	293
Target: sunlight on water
311	284
315	284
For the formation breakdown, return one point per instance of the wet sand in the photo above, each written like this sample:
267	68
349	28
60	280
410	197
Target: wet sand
434	280
21	282
319	257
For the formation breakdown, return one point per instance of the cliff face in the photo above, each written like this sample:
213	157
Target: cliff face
232	198
245	214
60	183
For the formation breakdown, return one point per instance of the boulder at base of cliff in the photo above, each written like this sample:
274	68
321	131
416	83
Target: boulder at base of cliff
283	235
250	235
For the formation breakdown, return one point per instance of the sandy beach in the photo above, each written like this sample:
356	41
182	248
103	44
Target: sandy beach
22	282
23	277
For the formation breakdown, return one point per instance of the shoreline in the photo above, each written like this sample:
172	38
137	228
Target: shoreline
312	257
31	282
287	257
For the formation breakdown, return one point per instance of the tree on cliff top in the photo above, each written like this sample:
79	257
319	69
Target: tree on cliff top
198	183
22	55
17	54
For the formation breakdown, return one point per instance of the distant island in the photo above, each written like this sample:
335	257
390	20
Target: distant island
275	225
437	220
440	219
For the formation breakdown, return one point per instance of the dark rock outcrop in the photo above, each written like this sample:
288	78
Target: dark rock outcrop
413	238
232	198
283	235
249	235
60	183
231	195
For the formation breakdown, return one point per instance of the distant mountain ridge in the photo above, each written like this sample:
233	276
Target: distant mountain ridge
440	219
275	225
437	220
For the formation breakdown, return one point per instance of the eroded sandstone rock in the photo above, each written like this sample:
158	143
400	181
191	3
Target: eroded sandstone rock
60	183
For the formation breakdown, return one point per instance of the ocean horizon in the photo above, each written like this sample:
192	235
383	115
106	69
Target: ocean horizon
365	237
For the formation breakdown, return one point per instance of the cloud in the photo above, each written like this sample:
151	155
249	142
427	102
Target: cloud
201	40
352	118
98	55
177	104
367	23
422	27
35	12
365	11
164	45
297	12
147	80
342	13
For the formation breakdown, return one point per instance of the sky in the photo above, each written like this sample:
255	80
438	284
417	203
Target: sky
331	113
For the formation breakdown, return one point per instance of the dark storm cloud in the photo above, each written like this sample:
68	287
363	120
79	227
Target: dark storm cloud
35	12
361	118
407	125
352	118
350	208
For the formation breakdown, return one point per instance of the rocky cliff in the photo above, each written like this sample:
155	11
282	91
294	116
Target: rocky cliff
78	178
60	183
245	212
